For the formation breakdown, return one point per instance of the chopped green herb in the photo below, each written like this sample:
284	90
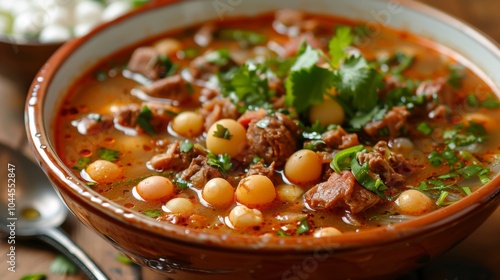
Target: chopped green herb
282	233
138	3
425	128
221	162
62	265
483	176
457	73
247	87
491	102
107	154
367	179
143	119
314	145
82	163
168	67
435	158
472	100
218	57
343	38
360	119
303	227
358	84
182	184
153	213
470	170
442	197
222	132
244	37
186	146
189	53
342	160
467	190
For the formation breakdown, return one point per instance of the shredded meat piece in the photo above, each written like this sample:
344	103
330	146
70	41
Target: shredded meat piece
216	109
173	88
93	124
391	125
143	61
127	116
273	138
173	158
260	169
201	69
341	191
437	108
391	167
338	138
199	172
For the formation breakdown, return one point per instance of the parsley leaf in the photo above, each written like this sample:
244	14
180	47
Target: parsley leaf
107	154
222	132
343	38
143	120
152	213
247	87
62	265
186	146
82	163
306	87
304	226
358	84
457	73
218	57
221	162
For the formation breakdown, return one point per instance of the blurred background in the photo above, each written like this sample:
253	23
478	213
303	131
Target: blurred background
26	47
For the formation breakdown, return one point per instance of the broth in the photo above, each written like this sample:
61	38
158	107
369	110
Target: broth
404	116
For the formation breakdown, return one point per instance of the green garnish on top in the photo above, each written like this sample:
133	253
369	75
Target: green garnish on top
222	132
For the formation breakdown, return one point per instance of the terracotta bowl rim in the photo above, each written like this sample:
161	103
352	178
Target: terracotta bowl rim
66	182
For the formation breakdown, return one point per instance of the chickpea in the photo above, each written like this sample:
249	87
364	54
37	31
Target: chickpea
188	124
103	171
289	192
243	217
255	190
303	167
168	46
327	112
413	202
218	193
232	143
179	205
155	188
327	231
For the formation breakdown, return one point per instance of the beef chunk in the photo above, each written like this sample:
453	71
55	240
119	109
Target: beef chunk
143	61
172	88
338	138
390	166
273	138
126	118
439	97
216	109
341	191
202	69
391	125
199	172
173	158
260	169
93	124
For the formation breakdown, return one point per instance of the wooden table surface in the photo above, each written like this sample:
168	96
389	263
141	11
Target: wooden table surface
478	257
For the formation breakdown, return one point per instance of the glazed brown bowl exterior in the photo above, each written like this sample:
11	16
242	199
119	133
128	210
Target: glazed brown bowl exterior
181	253
21	61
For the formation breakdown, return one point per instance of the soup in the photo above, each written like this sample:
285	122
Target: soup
287	124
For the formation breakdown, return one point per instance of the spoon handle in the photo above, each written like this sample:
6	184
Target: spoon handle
60	240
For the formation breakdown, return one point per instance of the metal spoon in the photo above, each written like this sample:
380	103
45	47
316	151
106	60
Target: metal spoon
30	207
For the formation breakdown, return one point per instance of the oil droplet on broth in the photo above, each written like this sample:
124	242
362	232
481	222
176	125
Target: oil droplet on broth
30	213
